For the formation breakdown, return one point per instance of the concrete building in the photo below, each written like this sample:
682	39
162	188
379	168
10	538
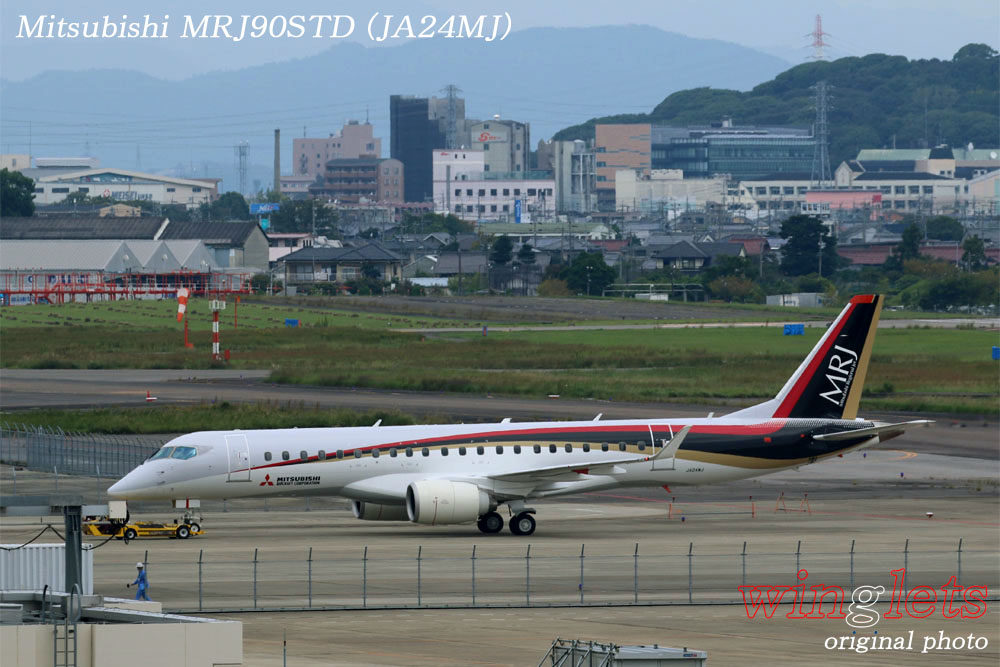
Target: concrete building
505	144
54	185
354	140
361	180
296	186
15	161
573	164
662	190
904	190
464	188
619	147
419	126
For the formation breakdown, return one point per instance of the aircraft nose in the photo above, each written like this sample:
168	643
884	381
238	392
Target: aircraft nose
129	485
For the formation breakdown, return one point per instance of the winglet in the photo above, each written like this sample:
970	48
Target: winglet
670	451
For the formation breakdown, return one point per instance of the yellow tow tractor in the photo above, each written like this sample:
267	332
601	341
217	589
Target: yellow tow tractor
129	530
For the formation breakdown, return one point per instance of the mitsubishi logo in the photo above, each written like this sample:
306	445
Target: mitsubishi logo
267	481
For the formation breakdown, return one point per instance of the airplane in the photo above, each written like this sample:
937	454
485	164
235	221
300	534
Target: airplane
462	473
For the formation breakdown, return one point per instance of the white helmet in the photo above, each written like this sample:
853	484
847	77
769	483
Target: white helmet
138	565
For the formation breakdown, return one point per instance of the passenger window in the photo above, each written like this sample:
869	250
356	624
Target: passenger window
340	453
321	455
499	449
586	446
357	453
461	451
285	456
393	453
517	449
304	455
480	450
409	451
375	453
444	451
622	446
184	453
552	449
604	446
569	447
267	456
538	449
425	451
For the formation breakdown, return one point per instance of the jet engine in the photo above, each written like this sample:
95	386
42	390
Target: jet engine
434	502
372	512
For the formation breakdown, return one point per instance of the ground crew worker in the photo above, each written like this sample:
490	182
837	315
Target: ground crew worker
141	582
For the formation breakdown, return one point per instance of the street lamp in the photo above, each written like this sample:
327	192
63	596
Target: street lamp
589	268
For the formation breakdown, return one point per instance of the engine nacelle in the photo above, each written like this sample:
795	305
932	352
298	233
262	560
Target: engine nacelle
435	502
372	512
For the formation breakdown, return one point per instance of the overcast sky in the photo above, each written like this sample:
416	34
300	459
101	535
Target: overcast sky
913	28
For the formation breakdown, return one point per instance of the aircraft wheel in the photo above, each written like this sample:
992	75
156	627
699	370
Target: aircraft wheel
522	524
490	523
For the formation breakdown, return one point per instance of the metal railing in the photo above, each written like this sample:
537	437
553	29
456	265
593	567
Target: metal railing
95	455
538	576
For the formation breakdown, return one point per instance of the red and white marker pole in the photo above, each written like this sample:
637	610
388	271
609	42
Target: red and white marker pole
216	307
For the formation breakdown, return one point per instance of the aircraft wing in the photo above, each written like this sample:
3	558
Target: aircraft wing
599	467
883	431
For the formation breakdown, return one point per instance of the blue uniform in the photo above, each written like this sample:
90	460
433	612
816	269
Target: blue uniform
142	584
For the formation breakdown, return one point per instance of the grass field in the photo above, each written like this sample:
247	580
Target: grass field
919	370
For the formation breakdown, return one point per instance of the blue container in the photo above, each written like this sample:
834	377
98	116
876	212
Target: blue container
795	330
996	353
291	323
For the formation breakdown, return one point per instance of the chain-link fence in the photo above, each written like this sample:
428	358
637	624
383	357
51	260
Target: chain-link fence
95	455
535	578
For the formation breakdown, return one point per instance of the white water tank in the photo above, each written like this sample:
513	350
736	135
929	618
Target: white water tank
33	567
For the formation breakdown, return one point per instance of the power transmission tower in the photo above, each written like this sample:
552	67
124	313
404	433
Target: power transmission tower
241	149
451	136
821	156
817	34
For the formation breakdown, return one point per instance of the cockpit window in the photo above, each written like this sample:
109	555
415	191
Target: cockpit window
184	453
164	453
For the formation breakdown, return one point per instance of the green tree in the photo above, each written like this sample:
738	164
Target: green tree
907	249
526	254
945	228
297	216
980	51
230	206
17	196
801	255
974	258
589	274
502	250
435	222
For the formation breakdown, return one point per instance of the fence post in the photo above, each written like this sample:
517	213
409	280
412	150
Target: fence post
906	563
852	566
527	576
743	558
201	553
635	575
14	470
473	575
420	550
55	471
798	560
364	578
310	576
960	561
255	578
690	572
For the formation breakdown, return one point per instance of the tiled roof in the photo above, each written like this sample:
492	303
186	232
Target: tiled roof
79	227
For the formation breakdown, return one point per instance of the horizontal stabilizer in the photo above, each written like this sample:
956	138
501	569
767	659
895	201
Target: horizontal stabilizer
884	431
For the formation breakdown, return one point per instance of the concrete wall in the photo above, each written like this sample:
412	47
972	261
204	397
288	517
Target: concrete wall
196	644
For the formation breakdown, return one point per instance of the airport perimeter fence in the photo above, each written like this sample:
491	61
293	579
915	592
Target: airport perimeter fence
45	449
535	577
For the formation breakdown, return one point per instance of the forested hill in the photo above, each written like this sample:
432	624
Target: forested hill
876	100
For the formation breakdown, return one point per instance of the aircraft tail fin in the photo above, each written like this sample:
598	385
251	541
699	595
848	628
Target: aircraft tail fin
828	384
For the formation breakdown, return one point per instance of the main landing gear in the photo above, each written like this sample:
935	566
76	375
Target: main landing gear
521	523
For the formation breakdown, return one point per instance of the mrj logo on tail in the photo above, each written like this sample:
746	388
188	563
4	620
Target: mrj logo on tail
840	374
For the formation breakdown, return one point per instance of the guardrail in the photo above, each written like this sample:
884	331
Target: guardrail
539	576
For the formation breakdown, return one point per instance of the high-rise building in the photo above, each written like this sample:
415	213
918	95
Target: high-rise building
419	126
619	147
360	180
354	140
505	143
